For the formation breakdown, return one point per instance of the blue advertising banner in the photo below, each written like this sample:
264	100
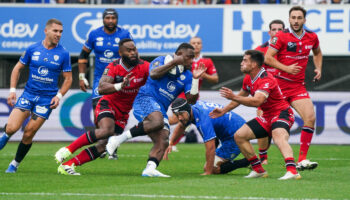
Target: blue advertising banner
154	30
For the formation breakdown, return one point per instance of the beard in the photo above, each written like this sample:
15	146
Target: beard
110	28
131	63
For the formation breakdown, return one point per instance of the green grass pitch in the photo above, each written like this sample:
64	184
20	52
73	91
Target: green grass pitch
37	176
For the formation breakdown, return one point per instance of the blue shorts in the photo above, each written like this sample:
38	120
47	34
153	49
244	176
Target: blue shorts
228	150
39	105
145	105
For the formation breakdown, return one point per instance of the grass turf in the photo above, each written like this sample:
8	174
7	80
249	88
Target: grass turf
37	176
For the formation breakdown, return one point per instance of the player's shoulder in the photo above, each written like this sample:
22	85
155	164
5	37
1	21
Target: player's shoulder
144	64
310	33
61	48
264	45
114	64
35	45
158	61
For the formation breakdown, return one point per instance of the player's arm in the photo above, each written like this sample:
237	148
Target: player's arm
11	99
209	157
211	78
253	101
107	85
318	57
192	96
159	72
178	132
67	83
218	112
82	65
273	62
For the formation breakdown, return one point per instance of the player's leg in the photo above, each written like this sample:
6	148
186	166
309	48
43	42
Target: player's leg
24	146
14	123
242	137
160	144
305	109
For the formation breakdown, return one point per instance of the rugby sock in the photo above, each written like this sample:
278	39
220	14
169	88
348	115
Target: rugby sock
137	130
263	154
256	164
290	165
178	140
152	163
14	163
22	151
230	166
85	139
305	141
84	156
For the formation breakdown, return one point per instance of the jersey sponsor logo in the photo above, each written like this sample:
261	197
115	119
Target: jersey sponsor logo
56	57
302	95
292	46
182	77
308	46
166	94
100	39
171	86
96	91
274	40
41	109
36	53
24	101
35	58
43	71
42	79
117	40
137	80
105	72
108	53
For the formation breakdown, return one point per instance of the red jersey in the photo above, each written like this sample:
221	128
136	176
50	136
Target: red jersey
263	48
294	49
266	83
124	98
208	63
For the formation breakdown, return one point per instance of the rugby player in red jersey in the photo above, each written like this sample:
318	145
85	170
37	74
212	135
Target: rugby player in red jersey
292	48
119	84
277	118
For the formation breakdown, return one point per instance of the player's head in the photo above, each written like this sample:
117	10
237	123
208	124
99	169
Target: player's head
252	60
110	19
182	110
275	26
53	31
128	52
297	18
187	51
196	42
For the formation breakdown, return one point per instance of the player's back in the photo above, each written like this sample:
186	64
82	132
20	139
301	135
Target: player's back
124	98
168	87
294	49
45	66
265	82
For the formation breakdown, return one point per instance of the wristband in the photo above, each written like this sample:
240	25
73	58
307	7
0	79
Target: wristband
118	86
194	87
59	95
81	76
13	90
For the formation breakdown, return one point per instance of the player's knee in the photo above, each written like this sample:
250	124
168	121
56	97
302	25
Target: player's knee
158	124
11	128
310	120
27	137
106	132
238	137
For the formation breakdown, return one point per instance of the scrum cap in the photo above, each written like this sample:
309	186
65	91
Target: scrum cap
110	11
181	105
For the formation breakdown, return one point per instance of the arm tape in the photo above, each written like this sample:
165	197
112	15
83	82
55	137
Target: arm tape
84	54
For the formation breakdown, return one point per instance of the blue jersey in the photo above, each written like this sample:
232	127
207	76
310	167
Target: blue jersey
45	67
223	127
167	88
105	47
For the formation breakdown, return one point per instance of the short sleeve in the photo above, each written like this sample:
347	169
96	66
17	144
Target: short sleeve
89	43
110	70
188	82
206	128
26	57
211	67
245	83
277	41
266	85
316	42
66	65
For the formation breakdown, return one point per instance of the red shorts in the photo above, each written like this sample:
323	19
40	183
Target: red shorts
263	126
105	109
293	91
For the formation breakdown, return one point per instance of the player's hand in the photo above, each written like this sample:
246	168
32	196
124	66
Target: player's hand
217	112
55	101
206	173
199	71
167	151
127	79
11	99
178	60
318	75
294	69
227	93
84	84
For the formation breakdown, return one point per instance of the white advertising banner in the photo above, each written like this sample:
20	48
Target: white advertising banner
246	27
67	122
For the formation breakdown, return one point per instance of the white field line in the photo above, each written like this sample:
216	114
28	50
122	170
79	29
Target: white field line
151	196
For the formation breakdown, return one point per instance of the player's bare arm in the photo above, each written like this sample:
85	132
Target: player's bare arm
209	156
318	57
273	62
178	131
192	96
159	72
252	101
82	65
213	78
11	99
67	83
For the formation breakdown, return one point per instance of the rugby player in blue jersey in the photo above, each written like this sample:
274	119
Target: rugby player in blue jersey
153	100
46	60
104	42
223	128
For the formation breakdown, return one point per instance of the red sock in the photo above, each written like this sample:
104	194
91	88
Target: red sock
305	141
84	139
256	164
290	165
178	140
81	158
263	154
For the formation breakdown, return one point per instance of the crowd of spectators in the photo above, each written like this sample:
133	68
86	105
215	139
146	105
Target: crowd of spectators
181	2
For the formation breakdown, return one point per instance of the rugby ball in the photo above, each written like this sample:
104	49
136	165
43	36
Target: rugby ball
175	71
